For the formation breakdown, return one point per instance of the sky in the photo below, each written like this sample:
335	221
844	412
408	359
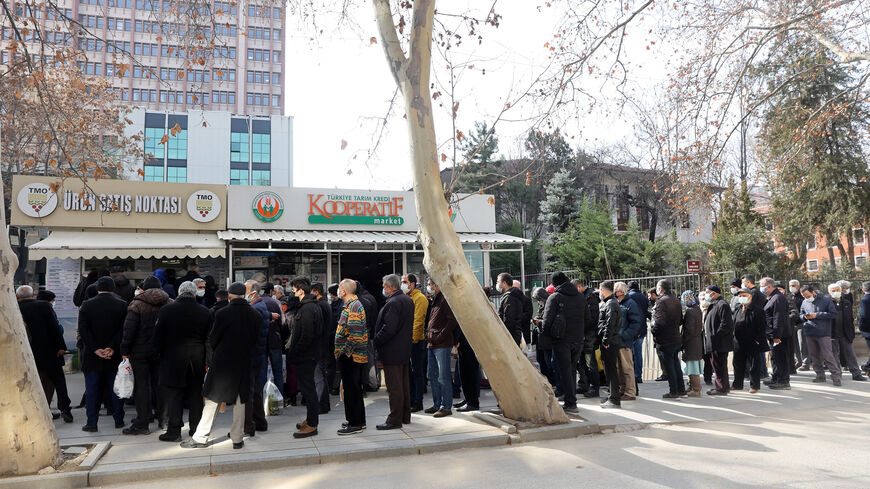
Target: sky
338	87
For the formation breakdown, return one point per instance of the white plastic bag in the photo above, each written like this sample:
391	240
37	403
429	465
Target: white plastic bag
272	398
124	380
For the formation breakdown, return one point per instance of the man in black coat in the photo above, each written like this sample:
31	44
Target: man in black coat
124	288
335	305
511	308
101	324
528	312
609	322
565	316
47	345
255	413
137	344
371	376
227	381
321	376
667	318
393	337
587	370
719	337
843	332
779	332
179	338
304	349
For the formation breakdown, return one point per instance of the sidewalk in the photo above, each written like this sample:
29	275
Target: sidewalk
140	458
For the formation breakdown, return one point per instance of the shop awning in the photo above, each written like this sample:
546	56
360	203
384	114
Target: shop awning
399	237
106	244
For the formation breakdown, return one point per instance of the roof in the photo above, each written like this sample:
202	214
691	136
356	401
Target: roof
127	244
357	237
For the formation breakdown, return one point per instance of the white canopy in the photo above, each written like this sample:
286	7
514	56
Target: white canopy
119	244
395	237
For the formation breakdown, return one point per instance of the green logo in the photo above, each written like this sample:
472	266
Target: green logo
365	220
268	206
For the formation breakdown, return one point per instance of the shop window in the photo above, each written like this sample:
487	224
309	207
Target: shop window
153	173
176	174
177	146
812	265
239	147
261	177
238	177
261	148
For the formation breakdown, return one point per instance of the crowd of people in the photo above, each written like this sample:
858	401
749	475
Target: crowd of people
187	352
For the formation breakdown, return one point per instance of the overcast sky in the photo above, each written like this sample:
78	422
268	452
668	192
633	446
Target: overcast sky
338	86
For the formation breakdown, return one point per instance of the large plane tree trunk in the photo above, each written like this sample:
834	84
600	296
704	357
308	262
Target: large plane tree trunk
522	391
28	441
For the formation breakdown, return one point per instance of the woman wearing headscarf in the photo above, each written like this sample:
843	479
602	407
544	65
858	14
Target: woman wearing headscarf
693	342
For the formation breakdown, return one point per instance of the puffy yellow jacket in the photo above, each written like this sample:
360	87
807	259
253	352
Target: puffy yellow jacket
421	307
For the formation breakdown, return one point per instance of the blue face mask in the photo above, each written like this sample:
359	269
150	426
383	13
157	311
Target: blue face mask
763	289
384	292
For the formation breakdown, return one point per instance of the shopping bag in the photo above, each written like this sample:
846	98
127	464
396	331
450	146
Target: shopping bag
124	380
272	398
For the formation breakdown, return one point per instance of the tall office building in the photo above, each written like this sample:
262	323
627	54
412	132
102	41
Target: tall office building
186	62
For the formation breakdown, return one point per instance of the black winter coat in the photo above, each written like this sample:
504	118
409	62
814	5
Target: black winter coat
138	339
719	327
590	333
393	330
234	334
370	304
568	302
797	300
528	312
511	312
693	334
101	325
258	351
776	313
749	329
327	330
180	337
667	317
306	332
211	313
43	331
273	342
609	321
124	288
846	329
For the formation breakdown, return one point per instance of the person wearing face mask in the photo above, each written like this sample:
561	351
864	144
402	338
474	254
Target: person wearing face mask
321	371
758	301
351	354
704	304
666	332
393	334
275	340
255	414
692	342
469	369
511	308
418	345
200	290
718	338
736	285
794	317
799	340
779	333
543	342
528	311
629	331
304	349
846	290
439	336
179	338
749	331
609	320
817	312
843	332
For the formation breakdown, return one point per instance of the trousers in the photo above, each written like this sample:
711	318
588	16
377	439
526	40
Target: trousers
567	356
209	414
469	374
625	367
399	393
351	381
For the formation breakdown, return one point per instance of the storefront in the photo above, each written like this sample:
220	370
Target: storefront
140	226
277	233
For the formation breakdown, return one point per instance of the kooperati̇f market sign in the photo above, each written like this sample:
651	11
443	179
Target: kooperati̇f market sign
355	209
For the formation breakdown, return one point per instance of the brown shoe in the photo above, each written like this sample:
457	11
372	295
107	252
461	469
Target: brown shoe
305	432
753	391
431	410
301	425
442	413
626	397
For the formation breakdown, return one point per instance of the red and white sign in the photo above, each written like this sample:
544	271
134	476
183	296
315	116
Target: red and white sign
693	266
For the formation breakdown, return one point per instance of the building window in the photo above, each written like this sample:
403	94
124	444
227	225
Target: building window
261	148
860	262
177	174
153	149
622	215
858	236
261	177
812	265
811	243
177	146
238	177
153	173
239	147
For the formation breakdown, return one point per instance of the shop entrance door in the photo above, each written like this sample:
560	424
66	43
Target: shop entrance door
370	268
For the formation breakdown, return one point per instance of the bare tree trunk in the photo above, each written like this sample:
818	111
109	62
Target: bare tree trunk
522	391
850	243
831	260
29	442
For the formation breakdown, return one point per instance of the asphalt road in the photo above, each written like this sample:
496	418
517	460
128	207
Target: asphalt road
806	449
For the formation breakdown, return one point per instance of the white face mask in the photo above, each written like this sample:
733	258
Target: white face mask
734	290
810	299
200	292
406	288
430	290
137	292
743	300
836	295
793	290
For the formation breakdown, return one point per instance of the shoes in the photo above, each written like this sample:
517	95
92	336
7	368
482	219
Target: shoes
708	381
626	397
431	410
443	413
416	408
239	445
249	434
683	393
388	426
837	382
345	425
468	409
735	387
121	424
638	380
780	387
305	432
350	430
55	416
301	425
89	428
753	390
714	392
67	416
460	404
610	405
590	394
819	380
670	396
859	378
803	368
571	409
261	427
176	437
694	394
136	431
661	378
768	382
195	444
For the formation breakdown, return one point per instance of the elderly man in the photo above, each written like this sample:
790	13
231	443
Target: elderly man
278	292
667	318
817	313
179	338
234	333
351	353
255	413
418	345
393	337
609	320
779	333
101	323
799	341
719	336
632	323
48	346
843	332
642	301
200	290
